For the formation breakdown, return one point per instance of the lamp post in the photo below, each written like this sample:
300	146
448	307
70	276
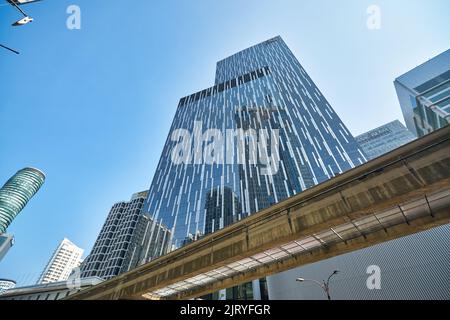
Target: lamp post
325	285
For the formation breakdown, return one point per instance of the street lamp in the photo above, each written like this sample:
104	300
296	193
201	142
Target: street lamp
325	285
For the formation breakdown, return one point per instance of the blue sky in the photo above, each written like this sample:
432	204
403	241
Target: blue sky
92	107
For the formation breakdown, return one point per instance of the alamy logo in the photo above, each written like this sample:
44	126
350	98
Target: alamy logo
374	18
235	146
73	22
374	280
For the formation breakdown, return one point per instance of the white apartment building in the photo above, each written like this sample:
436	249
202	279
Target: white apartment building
65	258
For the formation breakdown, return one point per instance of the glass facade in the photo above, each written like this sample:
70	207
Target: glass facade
424	94
261	89
6	242
432	109
386	138
16	193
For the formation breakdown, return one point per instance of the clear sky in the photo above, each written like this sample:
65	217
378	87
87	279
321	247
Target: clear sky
92	107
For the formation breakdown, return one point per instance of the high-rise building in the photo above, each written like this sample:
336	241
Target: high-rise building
6	242
383	139
262	133
16	193
126	240
66	257
6	284
424	95
147	245
14	196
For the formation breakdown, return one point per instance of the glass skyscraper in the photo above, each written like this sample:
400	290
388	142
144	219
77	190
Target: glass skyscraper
6	242
424	95
16	193
381	140
262	89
